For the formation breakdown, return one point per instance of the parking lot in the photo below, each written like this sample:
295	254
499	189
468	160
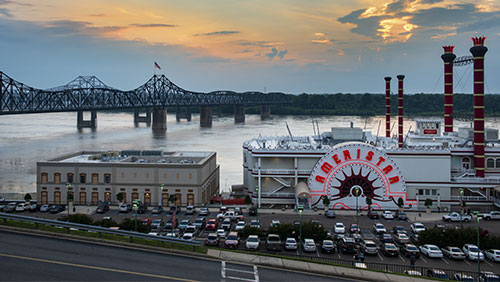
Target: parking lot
346	217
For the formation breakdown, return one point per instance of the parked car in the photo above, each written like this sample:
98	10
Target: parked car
417	227
488	276
339	227
20	207
184	223
431	251
471	252
212	224
232	240
413	272
373	214
188	236
56	208
328	247
274	223
10	207
157	210
252	211
191	229
368	247
190	210
379	228
33	208
226	224
171	224
309	246
401	238
399	229
493	255
386	238
199	223
354	228
45	208
212	240
125	208
142	209
348	245
414	238
387	215
437	273
409	249
221	233
389	249
102	209
490	215
459	276
174	209
453	253
401	215
330	213
156	224
147	221
255	223
240	225
273	242
204	212
455	216
290	244
252	242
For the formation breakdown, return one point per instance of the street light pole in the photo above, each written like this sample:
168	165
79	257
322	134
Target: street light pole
478	249
68	186
461	206
300	208
135	211
162	186
356	193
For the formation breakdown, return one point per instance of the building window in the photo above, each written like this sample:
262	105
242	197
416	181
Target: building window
135	175
107	178
83	177
190	176
178	199
490	163
466	163
434	192
57	178
69	177
135	196
147	175
95	198
57	197
83	198
123	174
44	199
164	176
190	199
177	176
165	199
107	197
124	196
147	198
95	178
421	192
44	177
497	162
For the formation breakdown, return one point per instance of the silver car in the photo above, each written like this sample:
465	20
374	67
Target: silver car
309	245
291	244
369	247
453	253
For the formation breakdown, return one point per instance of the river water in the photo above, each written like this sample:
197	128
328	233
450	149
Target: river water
26	139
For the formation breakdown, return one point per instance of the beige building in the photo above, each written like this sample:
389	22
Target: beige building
94	177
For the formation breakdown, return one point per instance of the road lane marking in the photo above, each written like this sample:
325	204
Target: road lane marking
256	273
223	271
445	261
401	257
488	263
97	268
422	257
467	261
378	254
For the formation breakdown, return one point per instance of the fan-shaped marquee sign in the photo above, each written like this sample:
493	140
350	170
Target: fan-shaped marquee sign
355	166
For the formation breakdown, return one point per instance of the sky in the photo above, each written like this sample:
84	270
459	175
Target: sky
290	46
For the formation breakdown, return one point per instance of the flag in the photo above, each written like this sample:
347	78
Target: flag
157	66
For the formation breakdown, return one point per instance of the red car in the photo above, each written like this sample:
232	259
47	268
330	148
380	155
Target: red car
212	224
147	221
354	228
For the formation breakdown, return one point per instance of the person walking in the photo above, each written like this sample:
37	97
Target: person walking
413	258
362	256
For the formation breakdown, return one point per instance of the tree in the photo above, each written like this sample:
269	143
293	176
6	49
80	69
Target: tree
326	201
119	197
129	224
401	203
248	200
428	202
369	203
27	197
69	197
79	218
172	198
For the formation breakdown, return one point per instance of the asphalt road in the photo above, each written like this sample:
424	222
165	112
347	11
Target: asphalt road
29	257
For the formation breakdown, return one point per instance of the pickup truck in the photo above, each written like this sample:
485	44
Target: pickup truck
230	214
490	215
455	216
273	242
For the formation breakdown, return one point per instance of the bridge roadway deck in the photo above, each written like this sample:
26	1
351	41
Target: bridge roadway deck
29	257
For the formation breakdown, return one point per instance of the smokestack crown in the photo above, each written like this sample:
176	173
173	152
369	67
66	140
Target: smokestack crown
387	78
478	50
401	77
448	56
478	41
448	48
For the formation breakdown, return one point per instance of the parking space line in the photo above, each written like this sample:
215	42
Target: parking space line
445	261
256	273
239	278
422	257
239	270
488	263
401	257
317	252
378	254
467	261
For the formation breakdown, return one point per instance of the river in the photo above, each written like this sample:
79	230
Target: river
26	139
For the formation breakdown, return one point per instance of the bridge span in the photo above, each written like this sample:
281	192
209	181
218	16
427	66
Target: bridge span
88	93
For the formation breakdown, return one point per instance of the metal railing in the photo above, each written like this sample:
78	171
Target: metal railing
281	171
98	229
278	195
468	198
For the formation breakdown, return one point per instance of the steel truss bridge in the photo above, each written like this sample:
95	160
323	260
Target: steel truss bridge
89	93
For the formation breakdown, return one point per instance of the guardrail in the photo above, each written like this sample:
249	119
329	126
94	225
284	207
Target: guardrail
98	229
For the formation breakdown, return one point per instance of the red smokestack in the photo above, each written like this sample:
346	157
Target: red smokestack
388	106
448	58
478	51
400	110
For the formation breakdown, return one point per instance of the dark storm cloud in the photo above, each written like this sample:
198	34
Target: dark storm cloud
364	26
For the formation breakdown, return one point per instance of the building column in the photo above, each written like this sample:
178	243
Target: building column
146	118
81	123
388	106
265	111
259	184
448	58
159	119
239	113
206	116
400	110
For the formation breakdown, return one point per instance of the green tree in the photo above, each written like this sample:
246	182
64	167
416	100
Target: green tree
119	197
129	224
248	200
401	203
311	230
284	230
79	218
69	197
27	197
369	202
326	201
106	223
172	198
247	231
428	202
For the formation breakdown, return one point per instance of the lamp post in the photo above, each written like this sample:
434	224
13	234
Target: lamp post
356	194
68	186
461	206
478	249
135	211
300	209
162	187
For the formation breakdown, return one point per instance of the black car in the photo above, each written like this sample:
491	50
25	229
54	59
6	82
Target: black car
401	215
252	211
173	209
56	209
373	215
142	209
409	249
386	238
102	209
348	245
389	249
399	229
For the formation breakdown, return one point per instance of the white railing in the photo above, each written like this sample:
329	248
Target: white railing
277	195
469	198
493	180
281	171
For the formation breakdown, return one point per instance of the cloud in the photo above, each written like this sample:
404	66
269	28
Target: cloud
153	25
274	52
222	32
264	44
6	12
282	53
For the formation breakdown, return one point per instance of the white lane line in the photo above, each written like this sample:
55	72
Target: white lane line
378	254
422	257
467	261
489	263
445	260
239	278
239	270
256	273
223	272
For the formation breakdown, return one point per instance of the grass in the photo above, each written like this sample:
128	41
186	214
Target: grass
112	237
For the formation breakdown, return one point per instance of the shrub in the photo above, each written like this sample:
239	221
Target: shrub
78	218
311	230
129	224
458	238
428	202
106	223
247	231
284	230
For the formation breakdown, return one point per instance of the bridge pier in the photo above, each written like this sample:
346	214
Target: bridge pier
138	118
159	119
239	113
206	116
91	123
183	112
265	111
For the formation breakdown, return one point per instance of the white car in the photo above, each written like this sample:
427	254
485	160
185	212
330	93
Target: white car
274	223
493	255
387	215
339	228
221	233
309	245
291	244
20	207
252	242
431	251
379	228
453	253
188	236
240	225
471	252
417	227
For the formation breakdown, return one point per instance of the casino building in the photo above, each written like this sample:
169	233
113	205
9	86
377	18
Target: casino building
447	166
